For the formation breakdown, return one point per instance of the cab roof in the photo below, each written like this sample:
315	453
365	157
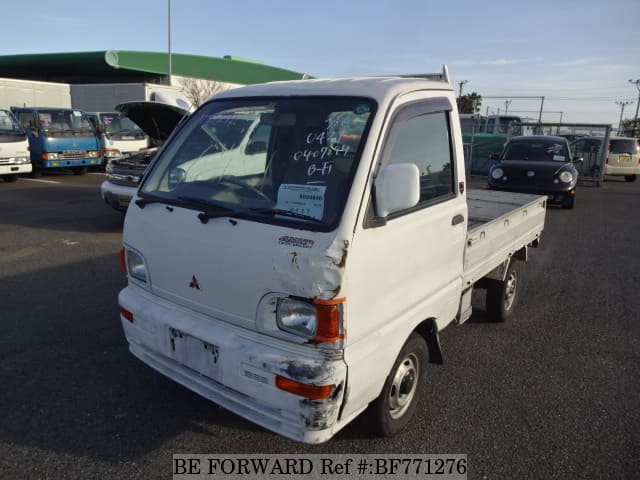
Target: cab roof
381	89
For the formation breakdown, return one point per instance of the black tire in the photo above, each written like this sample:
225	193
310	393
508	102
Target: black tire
630	178
502	297
11	178
35	172
395	406
568	202
79	170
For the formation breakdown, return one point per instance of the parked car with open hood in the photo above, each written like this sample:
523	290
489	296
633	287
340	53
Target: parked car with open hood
536	164
157	120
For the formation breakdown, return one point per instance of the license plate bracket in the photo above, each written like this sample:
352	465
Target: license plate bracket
194	353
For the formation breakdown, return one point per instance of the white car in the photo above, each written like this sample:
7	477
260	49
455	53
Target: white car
157	120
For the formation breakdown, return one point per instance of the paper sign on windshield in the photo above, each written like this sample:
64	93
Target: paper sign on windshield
304	199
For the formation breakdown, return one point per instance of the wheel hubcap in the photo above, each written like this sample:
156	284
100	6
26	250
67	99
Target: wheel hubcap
510	291
403	388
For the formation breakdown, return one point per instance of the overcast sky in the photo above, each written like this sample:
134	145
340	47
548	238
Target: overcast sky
578	54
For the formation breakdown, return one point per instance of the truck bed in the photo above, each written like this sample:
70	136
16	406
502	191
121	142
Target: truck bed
500	224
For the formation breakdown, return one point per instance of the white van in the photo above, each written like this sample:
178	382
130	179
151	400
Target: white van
14	153
304	276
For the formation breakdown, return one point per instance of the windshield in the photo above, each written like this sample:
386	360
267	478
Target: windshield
537	151
276	160
8	123
119	127
629	146
64	122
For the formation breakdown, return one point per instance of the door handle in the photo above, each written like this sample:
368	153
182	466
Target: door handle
457	219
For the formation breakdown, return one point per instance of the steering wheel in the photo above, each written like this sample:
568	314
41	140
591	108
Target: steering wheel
245	186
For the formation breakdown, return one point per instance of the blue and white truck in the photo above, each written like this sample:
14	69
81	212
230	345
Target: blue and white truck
59	138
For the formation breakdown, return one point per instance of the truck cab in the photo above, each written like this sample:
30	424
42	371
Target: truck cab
59	138
303	278
14	148
119	136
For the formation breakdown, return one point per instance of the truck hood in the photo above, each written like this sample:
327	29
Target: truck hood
16	147
224	268
139	161
156	119
56	144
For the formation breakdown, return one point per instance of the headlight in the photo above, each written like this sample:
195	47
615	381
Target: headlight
21	160
112	153
50	155
136	266
566	177
296	317
92	154
497	173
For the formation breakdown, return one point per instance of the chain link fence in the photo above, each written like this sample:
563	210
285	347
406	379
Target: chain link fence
587	141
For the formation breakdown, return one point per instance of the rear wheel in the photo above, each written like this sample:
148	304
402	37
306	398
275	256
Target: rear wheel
502	297
630	178
80	170
11	178
395	406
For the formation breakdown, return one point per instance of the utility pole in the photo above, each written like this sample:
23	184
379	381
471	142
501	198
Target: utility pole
506	106
462	83
169	36
622	105
635	122
541	105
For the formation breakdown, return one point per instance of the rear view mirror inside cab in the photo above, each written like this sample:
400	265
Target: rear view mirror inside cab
176	177
278	119
397	188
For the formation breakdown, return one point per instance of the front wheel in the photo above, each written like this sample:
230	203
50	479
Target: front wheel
568	202
395	406
630	178
11	178
79	170
502	297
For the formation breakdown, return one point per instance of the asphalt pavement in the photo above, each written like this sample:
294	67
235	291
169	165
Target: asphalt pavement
553	393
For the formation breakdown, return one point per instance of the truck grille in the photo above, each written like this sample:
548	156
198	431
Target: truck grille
72	154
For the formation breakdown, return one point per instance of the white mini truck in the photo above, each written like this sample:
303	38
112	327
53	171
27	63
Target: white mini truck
302	276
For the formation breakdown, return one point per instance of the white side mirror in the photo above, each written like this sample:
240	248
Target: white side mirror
397	188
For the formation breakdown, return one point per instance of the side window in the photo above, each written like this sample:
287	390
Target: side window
24	118
424	140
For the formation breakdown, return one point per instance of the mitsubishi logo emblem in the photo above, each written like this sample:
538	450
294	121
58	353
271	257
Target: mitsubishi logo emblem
194	283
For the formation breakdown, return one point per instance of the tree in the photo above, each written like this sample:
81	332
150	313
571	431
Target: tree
469	103
198	90
627	129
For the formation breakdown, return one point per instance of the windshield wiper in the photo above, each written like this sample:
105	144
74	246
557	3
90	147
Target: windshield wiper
144	201
287	213
210	209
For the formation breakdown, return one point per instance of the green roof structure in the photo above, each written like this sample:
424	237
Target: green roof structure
120	66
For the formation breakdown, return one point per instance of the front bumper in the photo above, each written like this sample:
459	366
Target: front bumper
632	169
12	169
117	196
554	195
83	162
174	340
